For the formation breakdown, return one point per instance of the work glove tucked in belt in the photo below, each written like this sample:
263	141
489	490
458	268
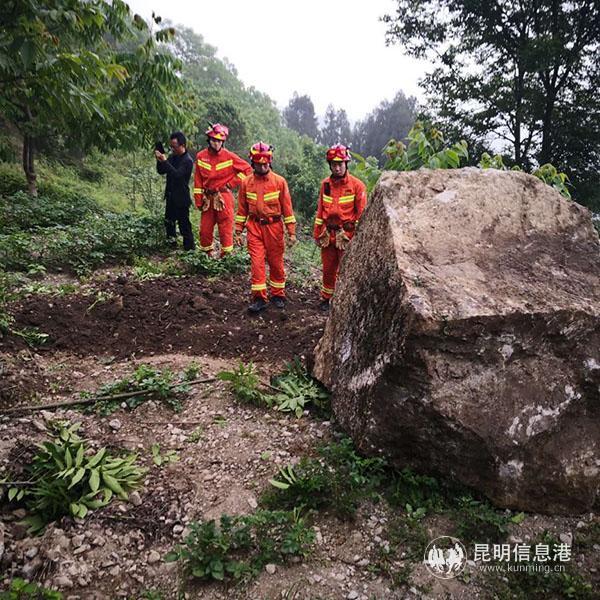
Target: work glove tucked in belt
323	239
214	199
341	239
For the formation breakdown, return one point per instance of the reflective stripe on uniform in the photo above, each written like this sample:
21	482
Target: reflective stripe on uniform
240	219
251	195
204	165
271	196
319	221
206	248
327	199
226	249
224	165
198	191
291	219
257	287
346	199
276	284
242	176
327	290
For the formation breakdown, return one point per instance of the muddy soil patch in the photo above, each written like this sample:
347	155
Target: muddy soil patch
188	314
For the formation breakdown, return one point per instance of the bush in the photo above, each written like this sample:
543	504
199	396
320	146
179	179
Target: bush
107	237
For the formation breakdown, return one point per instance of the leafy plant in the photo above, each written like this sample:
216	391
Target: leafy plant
25	590
163	459
64	477
298	391
415	492
339	479
240	546
478	521
244	384
156	385
199	263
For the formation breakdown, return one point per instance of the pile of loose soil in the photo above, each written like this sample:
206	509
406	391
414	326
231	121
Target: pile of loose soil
189	314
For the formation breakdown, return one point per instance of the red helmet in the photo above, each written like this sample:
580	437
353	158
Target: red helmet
218	132
261	153
338	152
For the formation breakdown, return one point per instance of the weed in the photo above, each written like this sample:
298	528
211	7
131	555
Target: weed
555	580
298	390
244	384
199	263
240	546
196	435
65	478
418	492
25	590
478	522
156	385
163	459
339	479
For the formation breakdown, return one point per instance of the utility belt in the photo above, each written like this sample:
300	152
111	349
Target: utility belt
213	192
264	220
347	226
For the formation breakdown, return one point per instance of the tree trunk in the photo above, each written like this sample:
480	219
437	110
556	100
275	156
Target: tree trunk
546	151
28	164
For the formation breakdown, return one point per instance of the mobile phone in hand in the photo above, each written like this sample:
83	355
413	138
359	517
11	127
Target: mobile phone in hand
159	146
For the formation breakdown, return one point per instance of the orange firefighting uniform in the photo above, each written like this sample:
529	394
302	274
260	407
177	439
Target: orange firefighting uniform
341	203
264	207
218	171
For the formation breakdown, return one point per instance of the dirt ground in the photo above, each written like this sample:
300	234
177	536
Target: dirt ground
227	450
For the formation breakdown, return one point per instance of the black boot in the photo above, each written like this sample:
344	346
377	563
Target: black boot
278	301
324	305
257	306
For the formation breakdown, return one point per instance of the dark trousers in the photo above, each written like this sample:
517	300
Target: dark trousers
181	216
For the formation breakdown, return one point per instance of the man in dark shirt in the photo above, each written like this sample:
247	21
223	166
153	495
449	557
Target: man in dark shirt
178	168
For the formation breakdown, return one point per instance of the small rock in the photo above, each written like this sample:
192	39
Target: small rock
63	582
177	529
32	552
83	548
581	525
98	541
115	424
153	557
317	578
252	502
77	540
135	498
566	538
39	425
115	571
353	595
271	568
30	569
19	513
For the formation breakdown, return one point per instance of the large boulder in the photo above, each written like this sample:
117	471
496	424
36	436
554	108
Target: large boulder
464	336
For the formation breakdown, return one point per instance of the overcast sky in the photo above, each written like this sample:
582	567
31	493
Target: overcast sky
334	51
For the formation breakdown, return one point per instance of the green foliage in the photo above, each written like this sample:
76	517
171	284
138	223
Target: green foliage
102	238
556	580
479	522
298	391
366	169
162	386
547	173
199	263
305	261
339	479
159	459
240	546
21	212
426	148
25	590
417	494
244	384
294	389
66	478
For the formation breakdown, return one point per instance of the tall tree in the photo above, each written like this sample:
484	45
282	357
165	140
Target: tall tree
65	65
299	115
336	127
389	120
507	70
